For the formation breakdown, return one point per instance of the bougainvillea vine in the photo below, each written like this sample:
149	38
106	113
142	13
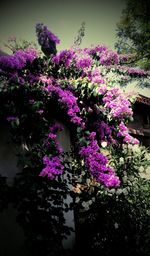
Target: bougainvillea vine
78	86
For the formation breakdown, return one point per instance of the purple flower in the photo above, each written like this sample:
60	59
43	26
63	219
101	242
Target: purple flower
103	89
46	39
95	76
28	54
56	127
11	118
127	138
9	62
110	180
53	167
97	163
109	57
137	71
44	35
31	78
105	132
83	62
40	111
18	60
52	137
118	104
64	57
67	100
96	50
132	71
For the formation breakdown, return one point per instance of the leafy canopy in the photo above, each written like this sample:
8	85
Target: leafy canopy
133	32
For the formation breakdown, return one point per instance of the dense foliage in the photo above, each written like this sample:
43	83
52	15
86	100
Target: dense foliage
133	32
116	221
83	85
79	88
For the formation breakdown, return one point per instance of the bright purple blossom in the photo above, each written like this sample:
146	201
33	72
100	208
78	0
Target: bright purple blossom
109	57
52	138
117	102
110	179
127	138
53	167
83	62
130	71
96	50
67	101
9	62
95	76
46	39
64	57
103	89
105	132
136	71
28	54
97	163
112	105
44	35
18	60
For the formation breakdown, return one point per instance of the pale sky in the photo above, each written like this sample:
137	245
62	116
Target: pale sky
63	17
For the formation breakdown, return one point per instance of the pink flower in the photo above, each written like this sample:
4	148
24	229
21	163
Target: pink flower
45	79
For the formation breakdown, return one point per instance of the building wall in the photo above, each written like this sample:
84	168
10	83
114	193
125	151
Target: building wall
11	233
140	127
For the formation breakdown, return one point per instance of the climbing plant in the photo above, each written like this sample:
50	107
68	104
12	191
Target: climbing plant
80	88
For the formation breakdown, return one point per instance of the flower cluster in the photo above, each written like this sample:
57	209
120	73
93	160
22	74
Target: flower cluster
18	60
46	39
105	132
44	35
127	138
53	167
84	84
95	76
136	71
118	104
109	57
130	71
83	61
97	163
51	140
96	50
67	100
64	57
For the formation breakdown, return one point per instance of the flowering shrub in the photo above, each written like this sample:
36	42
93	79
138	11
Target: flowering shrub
81	89
46	39
77	86
18	60
116	220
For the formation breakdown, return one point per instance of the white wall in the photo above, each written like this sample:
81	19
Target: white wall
64	140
